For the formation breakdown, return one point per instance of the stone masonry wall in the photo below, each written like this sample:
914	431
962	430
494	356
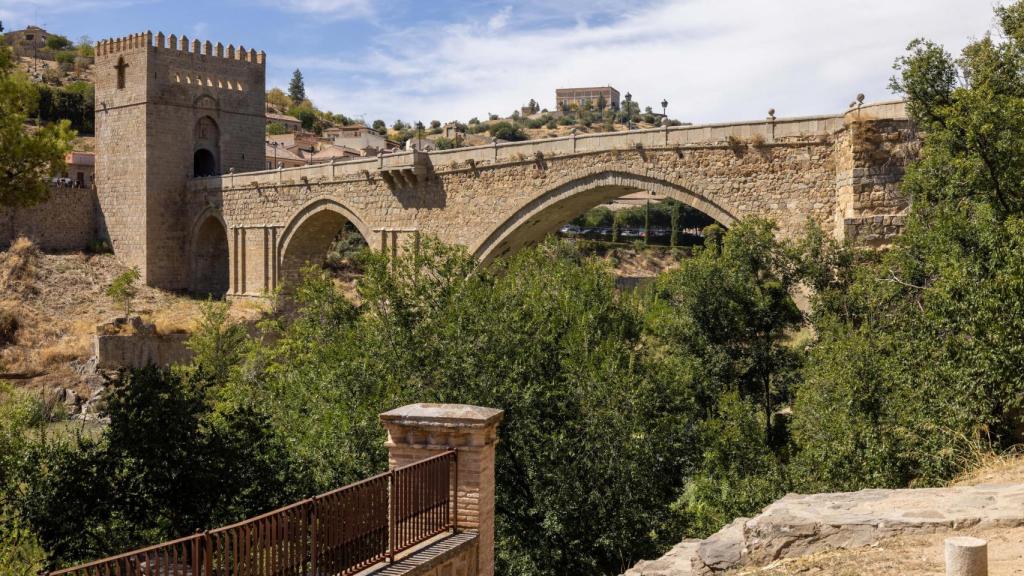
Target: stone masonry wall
65	222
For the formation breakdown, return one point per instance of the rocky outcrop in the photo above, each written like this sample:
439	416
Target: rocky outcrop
676	562
797	525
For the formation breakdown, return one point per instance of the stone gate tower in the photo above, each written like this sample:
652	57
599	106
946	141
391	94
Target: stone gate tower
167	110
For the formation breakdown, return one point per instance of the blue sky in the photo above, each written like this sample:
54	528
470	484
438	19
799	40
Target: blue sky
713	60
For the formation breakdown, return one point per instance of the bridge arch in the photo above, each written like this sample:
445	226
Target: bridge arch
309	234
209	255
545	213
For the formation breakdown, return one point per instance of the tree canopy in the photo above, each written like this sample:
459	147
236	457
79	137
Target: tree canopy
28	157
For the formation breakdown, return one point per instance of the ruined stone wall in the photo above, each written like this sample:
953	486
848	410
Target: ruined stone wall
65	222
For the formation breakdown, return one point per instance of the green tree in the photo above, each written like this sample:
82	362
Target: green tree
916	361
277	97
57	43
297	87
123	289
380	126
276	128
507	131
27	159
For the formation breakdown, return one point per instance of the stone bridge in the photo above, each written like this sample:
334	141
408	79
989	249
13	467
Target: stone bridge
840	171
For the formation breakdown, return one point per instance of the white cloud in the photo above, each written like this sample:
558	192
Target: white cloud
499	20
340	9
714	60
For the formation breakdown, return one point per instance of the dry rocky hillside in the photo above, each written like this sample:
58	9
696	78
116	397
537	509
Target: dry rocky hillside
50	305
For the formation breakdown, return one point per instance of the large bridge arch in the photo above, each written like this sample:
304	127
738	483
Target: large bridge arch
545	213
309	234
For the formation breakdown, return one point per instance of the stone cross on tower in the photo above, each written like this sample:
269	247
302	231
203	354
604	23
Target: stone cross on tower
121	67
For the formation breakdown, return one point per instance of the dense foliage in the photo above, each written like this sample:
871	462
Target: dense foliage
27	159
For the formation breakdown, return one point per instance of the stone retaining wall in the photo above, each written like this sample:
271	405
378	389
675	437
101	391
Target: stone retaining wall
66	222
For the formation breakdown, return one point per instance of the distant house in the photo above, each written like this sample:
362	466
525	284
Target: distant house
574	97
290	123
359	137
333	152
30	42
79	171
281	157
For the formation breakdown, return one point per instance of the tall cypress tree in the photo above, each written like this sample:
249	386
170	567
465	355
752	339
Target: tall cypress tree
297	88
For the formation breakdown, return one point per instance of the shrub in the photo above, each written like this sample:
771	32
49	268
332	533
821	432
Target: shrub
124	288
99	246
8	327
507	131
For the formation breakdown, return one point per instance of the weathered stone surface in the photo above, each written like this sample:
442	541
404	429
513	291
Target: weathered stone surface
797	525
723	550
803	524
675	562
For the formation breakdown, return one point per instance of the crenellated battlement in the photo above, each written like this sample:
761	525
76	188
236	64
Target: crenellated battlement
147	40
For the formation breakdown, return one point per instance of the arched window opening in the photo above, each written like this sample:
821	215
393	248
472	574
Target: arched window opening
204	163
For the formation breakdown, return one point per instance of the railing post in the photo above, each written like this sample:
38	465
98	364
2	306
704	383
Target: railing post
392	517
313	548
454	520
208	559
195	552
419	431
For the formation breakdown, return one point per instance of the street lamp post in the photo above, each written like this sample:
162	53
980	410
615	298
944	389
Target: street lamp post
629	111
664	108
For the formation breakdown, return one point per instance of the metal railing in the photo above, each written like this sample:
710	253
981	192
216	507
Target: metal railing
338	533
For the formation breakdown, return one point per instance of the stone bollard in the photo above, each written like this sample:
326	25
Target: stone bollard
418	431
966	556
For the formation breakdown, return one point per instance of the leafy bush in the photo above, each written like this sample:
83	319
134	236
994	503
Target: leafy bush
507	131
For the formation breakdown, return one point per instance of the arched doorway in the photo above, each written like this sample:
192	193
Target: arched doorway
210	261
204	163
548	212
206	155
318	235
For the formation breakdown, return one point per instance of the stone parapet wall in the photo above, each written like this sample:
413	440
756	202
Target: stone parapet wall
66	222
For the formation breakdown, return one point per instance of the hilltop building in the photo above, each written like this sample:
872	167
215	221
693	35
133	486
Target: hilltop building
575	97
28	42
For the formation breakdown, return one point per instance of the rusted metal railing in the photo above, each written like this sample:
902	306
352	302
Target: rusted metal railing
338	533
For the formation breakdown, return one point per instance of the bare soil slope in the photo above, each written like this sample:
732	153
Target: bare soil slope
56	301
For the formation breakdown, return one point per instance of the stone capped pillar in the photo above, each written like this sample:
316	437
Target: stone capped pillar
418	431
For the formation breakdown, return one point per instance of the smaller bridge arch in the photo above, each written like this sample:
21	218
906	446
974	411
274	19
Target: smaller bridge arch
309	234
209	255
545	213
